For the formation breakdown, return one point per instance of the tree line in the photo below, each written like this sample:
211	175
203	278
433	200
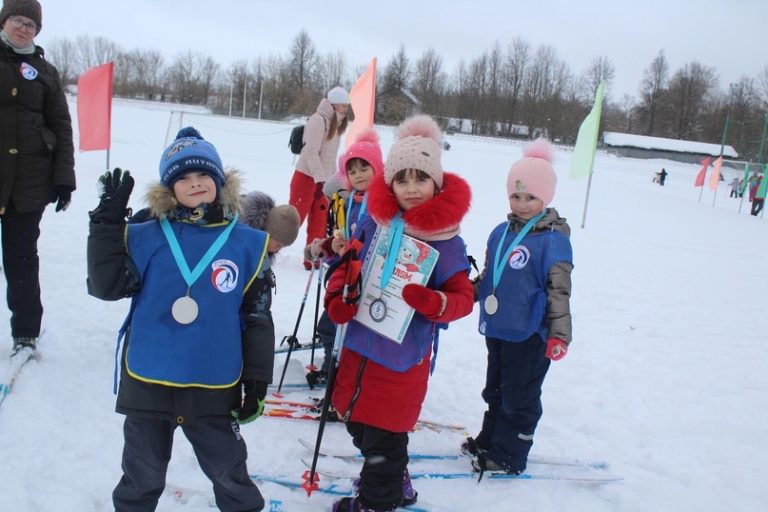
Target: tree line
510	90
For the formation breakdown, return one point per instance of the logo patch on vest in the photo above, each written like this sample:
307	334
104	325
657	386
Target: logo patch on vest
224	275
27	71
519	257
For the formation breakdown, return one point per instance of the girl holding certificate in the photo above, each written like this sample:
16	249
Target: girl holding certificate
381	383
525	315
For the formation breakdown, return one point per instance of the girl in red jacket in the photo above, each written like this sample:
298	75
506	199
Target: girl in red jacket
381	384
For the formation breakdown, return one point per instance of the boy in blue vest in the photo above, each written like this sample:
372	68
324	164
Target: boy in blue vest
199	331
525	316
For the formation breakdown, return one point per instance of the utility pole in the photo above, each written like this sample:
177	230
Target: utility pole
245	88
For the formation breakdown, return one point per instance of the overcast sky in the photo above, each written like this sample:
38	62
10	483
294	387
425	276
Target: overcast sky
728	35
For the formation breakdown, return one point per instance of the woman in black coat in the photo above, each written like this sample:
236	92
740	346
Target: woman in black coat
37	164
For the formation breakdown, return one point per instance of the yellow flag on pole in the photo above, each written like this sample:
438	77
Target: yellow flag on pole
586	141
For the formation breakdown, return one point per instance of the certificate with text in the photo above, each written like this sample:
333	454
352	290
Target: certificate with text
383	310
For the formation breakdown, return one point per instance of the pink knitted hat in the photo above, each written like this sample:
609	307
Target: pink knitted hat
533	174
366	147
417	147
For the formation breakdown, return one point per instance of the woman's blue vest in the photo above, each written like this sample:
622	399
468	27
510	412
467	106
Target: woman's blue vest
208	351
522	291
421	332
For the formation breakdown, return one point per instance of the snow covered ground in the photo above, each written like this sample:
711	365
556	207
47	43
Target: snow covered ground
665	377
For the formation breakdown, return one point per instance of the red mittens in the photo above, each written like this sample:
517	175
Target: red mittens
339	311
556	349
424	300
343	290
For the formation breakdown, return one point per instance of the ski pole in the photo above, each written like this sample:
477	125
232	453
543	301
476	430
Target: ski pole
309	477
292	340
315	334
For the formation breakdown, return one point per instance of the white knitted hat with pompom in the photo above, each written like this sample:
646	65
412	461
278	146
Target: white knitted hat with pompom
417	147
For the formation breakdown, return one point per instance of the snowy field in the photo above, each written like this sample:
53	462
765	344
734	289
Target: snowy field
664	380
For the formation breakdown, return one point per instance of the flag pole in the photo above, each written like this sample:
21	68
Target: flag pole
583	159
722	147
704	180
743	184
586	201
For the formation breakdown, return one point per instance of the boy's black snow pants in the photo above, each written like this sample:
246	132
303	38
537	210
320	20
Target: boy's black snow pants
219	448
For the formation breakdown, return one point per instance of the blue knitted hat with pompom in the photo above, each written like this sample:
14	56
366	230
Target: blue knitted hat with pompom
190	152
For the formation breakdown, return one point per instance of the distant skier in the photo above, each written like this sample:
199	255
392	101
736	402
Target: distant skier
662	176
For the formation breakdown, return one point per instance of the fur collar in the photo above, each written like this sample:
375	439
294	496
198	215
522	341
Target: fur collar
437	219
161	202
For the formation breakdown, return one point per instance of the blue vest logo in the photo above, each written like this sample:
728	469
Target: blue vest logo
519	257
28	72
224	275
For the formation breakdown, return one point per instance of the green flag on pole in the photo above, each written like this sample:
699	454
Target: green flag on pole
586	141
760	194
744	180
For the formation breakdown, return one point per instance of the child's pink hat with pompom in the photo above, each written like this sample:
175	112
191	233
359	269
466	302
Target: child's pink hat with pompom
366	147
533	174
418	146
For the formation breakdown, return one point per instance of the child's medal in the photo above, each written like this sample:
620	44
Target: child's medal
378	310
185	309
491	303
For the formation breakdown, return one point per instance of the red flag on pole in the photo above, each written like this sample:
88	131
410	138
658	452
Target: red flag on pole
703	172
715	178
363	99
94	107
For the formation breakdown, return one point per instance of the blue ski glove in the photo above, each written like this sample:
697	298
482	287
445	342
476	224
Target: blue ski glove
253	403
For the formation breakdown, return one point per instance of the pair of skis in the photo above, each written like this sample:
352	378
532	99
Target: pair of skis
345	464
278	408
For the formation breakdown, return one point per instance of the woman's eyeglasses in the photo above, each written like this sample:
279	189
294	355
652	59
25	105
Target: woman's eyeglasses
19	23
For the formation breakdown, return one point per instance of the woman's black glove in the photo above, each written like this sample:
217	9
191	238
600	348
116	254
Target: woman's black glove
116	187
62	196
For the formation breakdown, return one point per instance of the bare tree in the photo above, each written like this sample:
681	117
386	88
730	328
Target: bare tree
429	81
516	61
302	59
538	86
599	70
191	78
762	81
92	52
277	86
746	118
688	90
652	88
149	73
394	100
331	71
61	52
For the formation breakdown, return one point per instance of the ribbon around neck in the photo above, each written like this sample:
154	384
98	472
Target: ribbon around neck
190	276
498	262
396	229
